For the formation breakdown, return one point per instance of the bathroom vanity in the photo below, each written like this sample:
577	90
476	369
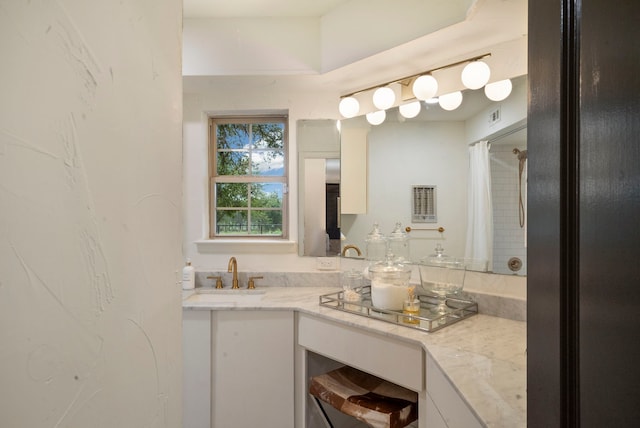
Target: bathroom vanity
245	363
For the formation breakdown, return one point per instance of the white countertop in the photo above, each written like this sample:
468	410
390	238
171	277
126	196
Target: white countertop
483	356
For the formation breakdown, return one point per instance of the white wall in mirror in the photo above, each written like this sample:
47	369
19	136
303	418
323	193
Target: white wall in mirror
314	207
402	154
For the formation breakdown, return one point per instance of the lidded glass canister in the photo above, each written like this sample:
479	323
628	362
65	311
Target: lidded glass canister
438	258
389	284
398	244
376	250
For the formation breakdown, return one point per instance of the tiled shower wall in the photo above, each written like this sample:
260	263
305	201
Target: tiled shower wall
509	237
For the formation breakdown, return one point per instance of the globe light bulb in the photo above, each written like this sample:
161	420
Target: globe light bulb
425	87
450	101
475	75
498	91
376	117
349	107
383	98
410	110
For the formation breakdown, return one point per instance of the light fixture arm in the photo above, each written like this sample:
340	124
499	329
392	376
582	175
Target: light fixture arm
405	80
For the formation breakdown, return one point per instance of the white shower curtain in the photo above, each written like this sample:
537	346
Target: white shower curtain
525	186
480	211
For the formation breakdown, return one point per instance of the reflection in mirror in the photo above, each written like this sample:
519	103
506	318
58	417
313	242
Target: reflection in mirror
508	164
318	187
433	150
332	205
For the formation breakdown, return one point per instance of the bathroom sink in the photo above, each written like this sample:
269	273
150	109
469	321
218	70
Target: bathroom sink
217	297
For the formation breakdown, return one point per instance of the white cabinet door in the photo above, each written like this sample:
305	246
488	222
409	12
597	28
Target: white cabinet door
196	369
353	171
451	408
433	416
253	369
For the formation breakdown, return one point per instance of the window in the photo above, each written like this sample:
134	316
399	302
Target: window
248	182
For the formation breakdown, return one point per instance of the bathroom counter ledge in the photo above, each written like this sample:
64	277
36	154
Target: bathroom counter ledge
483	356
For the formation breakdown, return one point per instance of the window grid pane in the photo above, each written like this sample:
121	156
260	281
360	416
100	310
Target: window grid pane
249	179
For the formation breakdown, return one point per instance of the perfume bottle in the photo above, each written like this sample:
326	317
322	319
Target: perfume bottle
411	307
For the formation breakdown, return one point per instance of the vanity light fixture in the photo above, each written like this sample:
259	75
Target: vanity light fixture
498	91
349	107
410	110
424	87
450	101
376	117
383	98
476	74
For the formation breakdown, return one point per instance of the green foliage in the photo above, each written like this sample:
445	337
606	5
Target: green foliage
234	145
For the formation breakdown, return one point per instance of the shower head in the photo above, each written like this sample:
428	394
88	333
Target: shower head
522	154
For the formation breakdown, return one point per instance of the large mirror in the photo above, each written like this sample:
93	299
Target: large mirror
431	150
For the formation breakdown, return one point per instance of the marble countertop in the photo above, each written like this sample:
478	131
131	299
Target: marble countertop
483	356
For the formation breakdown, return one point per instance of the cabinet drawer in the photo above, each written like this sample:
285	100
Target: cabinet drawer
394	360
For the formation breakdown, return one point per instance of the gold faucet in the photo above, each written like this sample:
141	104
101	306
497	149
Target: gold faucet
252	283
218	280
351	247
233	267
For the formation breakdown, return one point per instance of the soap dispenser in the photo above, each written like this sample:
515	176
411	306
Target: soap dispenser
188	276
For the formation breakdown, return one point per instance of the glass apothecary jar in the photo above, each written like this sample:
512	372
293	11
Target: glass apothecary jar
389	284
398	244
439	258
376	250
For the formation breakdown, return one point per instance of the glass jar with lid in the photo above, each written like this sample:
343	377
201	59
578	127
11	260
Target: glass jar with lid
443	276
389	284
398	244
376	250
439	258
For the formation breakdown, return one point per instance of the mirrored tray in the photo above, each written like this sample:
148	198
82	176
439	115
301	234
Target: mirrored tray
460	307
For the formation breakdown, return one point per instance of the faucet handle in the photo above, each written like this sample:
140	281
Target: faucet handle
218	280
252	284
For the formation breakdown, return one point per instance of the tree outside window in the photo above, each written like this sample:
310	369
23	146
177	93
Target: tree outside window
248	177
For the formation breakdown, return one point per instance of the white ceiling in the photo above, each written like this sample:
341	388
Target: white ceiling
258	8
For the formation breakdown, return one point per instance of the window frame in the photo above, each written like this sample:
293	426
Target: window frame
214	178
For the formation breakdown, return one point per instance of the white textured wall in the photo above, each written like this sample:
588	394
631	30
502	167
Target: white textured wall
90	213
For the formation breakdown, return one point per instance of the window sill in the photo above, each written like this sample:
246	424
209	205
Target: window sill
268	246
